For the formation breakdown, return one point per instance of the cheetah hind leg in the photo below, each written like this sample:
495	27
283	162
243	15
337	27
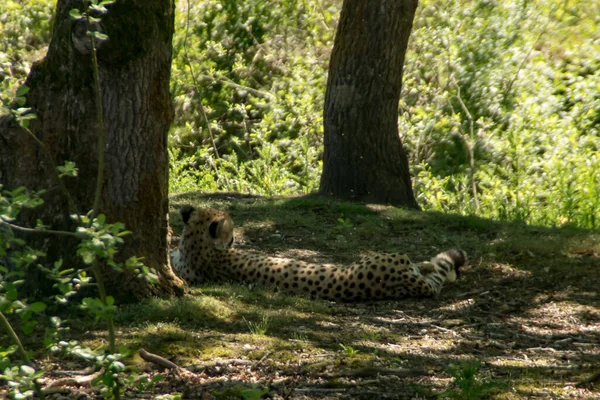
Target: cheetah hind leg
425	267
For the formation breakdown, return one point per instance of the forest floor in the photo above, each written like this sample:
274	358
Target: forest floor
522	322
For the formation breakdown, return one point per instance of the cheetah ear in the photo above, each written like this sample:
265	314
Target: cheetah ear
212	229
186	212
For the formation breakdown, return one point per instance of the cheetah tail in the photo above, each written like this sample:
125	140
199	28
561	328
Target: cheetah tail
451	259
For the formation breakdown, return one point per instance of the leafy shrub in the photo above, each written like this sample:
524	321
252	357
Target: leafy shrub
257	69
499	111
25	29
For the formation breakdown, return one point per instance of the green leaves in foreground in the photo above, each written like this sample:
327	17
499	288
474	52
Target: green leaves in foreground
468	385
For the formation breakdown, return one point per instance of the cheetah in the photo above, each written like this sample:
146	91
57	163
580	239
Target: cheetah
206	255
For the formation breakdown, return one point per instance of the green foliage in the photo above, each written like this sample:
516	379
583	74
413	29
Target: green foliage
251	65
25	30
349	350
500	110
254	393
98	242
260	327
468	385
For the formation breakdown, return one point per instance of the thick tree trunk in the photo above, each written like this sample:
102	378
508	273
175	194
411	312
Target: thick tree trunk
364	158
134	69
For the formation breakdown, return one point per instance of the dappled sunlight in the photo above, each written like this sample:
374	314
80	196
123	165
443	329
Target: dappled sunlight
499	117
525	306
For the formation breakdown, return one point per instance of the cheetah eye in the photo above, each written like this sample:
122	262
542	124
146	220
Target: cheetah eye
212	229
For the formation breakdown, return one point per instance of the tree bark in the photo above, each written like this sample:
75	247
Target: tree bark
364	158
134	71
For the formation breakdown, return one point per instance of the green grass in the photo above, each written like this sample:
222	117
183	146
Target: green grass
526	287
515	272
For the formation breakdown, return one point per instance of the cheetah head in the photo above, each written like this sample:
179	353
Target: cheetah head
209	226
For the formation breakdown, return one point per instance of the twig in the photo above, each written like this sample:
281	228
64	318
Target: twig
99	132
257	363
193	75
370	372
158	360
80	381
469	146
220	363
232	84
473	293
97	271
513	80
45	231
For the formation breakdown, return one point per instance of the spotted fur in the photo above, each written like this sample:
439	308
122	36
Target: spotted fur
205	255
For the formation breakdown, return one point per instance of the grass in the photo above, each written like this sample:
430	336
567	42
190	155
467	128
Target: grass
258	328
527	289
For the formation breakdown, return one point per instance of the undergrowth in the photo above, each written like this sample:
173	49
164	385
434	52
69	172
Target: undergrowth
499	111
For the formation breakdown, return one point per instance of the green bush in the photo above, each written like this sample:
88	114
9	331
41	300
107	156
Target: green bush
501	107
257	68
499	111
25	29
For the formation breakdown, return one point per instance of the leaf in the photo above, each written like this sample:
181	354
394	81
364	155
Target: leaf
37	306
28	327
101	218
98	35
11	291
27	117
22	90
75	14
8	351
27	370
110	300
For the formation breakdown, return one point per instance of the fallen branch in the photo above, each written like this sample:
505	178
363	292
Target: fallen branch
371	393
316	389
158	360
371	372
77	381
220	363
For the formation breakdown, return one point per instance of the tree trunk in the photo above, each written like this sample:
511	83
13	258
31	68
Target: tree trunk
134	71
364	158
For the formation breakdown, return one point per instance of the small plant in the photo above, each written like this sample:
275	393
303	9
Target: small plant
254	393
468	385
398	362
344	223
349	350
258	328
371	336
299	336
